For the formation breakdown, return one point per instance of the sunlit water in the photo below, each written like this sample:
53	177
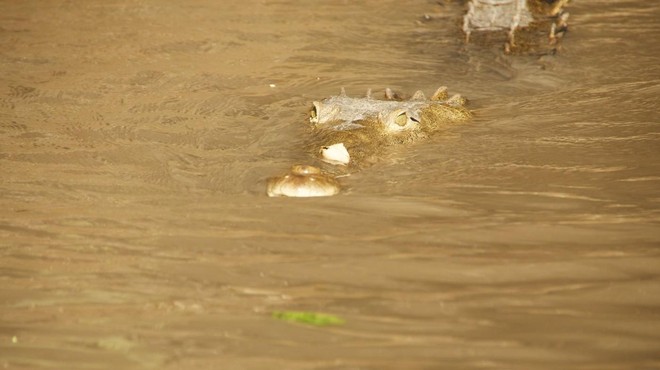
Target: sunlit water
136	138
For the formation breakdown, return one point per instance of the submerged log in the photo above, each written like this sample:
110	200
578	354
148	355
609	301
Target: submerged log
529	26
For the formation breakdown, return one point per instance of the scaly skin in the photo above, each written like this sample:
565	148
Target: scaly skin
367	128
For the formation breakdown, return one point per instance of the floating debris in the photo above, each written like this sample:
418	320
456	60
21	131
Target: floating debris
309	318
531	25
303	181
335	154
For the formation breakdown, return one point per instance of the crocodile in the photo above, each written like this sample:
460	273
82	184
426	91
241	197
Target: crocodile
351	133
354	132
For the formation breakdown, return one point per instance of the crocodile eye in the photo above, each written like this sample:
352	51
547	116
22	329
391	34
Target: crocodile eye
401	119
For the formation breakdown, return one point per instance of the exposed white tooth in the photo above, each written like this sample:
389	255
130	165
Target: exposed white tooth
336	154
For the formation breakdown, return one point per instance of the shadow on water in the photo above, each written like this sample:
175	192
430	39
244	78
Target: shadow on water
135	139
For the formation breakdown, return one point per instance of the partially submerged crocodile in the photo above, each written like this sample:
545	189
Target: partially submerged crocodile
354	132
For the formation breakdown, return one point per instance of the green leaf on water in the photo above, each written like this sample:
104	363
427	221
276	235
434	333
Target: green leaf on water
309	318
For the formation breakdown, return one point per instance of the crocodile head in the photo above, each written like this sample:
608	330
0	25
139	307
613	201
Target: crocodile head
350	133
365	126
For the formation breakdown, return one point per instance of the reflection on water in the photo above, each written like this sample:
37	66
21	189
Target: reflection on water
135	138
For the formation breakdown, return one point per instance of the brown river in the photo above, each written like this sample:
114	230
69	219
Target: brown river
136	138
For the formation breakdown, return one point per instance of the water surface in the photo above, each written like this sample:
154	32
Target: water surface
136	138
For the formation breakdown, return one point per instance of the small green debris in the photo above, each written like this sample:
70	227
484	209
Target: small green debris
309	318
14	339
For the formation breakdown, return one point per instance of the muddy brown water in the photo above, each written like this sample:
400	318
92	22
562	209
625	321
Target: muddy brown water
136	138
